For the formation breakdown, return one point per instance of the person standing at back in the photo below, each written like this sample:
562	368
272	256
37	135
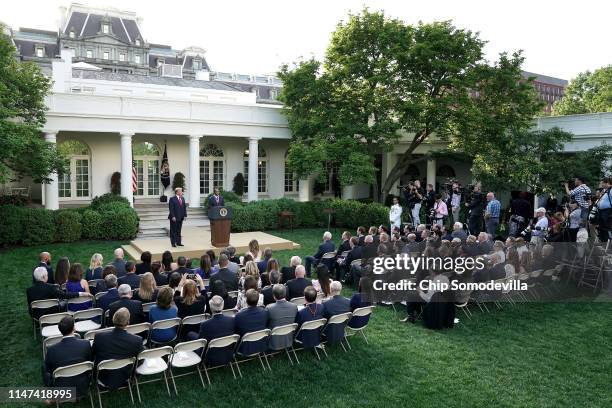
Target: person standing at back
177	213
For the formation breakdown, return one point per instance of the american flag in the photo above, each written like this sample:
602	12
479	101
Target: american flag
134	177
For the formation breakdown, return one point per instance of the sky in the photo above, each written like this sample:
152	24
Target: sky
559	38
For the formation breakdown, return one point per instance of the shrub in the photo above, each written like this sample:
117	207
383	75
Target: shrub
11	227
270	209
107	198
91	222
18	200
38	226
247	217
238	187
178	181
111	206
228	197
115	183
67	226
119	223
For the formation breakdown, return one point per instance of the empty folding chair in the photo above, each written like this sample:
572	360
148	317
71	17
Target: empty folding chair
39	308
114	365
48	324
192	323
219	353
75	375
81	302
51	341
253	344
309	336
334	330
140	329
358	322
170	325
152	362
281	338
300	301
187	354
87	320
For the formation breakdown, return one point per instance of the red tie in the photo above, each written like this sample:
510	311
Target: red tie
180	202
217	199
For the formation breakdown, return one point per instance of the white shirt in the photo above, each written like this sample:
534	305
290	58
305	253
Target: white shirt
543	224
395	213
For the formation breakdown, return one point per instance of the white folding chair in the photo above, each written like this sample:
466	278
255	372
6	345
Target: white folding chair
233	294
83	320
98	295
351	331
285	331
221	343
72	371
113	365
147	306
192	321
44	304
300	300
174	322
154	361
138	329
229	312
90	335
48	324
252	337
79	300
341	320
313	325
187	354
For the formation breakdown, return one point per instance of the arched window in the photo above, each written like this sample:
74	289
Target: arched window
292	184
262	170
147	162
74	183
211	168
446	171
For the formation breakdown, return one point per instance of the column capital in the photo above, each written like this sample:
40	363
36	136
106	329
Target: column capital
51	137
195	136
127	133
50	131
254	138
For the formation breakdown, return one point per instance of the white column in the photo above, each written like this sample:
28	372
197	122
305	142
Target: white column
51	188
253	168
126	166
193	187
431	172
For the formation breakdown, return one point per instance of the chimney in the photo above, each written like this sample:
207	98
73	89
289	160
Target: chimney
62	71
63	17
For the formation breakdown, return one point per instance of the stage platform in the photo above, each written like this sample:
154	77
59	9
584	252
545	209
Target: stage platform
197	241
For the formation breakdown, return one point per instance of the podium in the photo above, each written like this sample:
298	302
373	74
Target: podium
220	225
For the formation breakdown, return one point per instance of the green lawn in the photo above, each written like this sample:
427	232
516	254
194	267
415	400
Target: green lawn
535	355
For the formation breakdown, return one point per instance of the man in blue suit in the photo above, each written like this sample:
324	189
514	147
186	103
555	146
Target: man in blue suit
326	246
218	325
311	311
178	212
338	304
215	200
111	295
249	320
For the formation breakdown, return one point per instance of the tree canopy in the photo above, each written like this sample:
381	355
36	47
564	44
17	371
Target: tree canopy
589	92
23	151
383	80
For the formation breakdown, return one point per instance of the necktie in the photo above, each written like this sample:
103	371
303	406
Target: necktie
180	202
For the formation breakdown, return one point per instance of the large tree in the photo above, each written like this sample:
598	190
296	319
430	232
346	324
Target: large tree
23	151
383	80
589	92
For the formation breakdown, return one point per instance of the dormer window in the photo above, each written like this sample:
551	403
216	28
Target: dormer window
40	52
105	28
137	59
122	57
72	34
89	54
106	55
196	64
137	42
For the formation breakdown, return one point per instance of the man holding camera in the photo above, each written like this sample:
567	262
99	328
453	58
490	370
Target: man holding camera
414	195
475	208
455	201
581	194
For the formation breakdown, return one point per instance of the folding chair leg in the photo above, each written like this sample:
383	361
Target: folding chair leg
289	356
172	378
342	344
167	387
201	378
261	362
91	398
325	352
267	362
295	355
131	393
207	377
317	353
347	343
364	336
99	396
237	366
137	389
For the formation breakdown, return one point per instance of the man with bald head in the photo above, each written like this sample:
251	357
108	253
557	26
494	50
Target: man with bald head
44	260
296	286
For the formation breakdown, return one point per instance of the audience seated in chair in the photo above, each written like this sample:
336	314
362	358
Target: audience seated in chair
268	296
288	272
44	260
336	305
311	311
119	262
229	278
250	319
296	286
263	264
280	313
162	310
42	290
145	265
249	283
76	283
326	246
192	302
136	314
147	291
130	277
111	295
94	272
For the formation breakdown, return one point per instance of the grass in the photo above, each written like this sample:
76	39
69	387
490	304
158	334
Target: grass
535	355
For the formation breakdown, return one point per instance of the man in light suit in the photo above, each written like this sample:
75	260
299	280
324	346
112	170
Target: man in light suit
280	313
178	212
215	200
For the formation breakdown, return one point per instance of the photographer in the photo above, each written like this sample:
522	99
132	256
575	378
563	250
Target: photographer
601	214
455	201
429	199
541	227
573	214
581	194
414	196
439	211
475	207
520	212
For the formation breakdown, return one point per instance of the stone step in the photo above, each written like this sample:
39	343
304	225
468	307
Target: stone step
165	217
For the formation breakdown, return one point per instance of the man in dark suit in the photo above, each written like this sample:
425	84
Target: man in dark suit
133	306
119	262
251	319
280	313
311	311
229	278
42	290
336	305
361	234
70	350
268	296
296	286
326	246
178	212
217	326
44	259
111	295
354	254
215	200
181	262
345	244
130	278
288	272
263	264
117	344
145	265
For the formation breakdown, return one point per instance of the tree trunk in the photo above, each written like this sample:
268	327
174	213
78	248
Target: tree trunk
397	171
375	191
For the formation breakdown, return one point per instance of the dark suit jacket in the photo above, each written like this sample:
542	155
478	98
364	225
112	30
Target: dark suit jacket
356	302
312	311
67	352
213	328
212	202
248	320
49	268
119	265
41	290
334	306
295	287
287	273
344	246
267	295
175	210
325	247
361	240
133	306
353	255
262	265
116	344
109	297
143	268
229	278
368	251
131	279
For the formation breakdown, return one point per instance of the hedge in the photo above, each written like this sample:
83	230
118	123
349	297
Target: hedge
11	227
108	198
38	226
91	224
121	223
68	226
263	214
